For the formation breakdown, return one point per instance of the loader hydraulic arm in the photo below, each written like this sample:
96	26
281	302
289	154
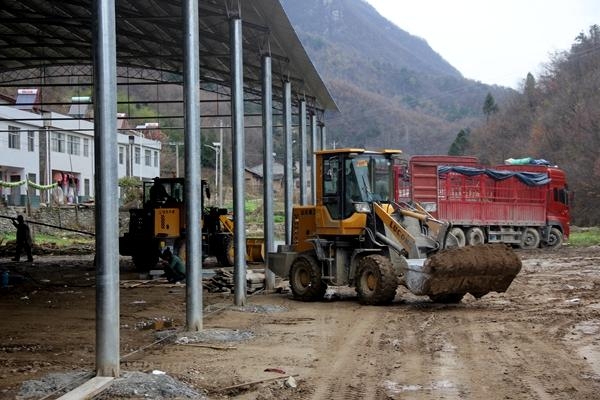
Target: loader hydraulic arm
227	223
396	235
436	227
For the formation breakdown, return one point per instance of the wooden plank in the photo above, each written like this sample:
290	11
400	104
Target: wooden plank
89	389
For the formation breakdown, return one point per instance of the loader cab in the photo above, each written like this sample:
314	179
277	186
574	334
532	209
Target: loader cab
354	179
162	192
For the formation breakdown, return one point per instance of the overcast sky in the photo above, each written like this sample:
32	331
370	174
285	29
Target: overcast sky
494	41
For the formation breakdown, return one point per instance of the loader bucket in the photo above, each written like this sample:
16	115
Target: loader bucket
472	269
255	250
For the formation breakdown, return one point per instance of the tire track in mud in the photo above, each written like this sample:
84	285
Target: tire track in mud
521	357
469	353
351	370
428	359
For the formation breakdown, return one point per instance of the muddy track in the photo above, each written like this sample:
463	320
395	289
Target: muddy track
537	341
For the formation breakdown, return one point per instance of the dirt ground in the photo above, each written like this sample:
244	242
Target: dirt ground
539	340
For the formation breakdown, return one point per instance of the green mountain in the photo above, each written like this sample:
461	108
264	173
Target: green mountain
392	89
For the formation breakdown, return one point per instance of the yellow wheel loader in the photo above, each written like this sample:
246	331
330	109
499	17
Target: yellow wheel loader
356	235
161	223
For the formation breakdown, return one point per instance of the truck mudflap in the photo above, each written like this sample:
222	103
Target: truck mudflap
477	270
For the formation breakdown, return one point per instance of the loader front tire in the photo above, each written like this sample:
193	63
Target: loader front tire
376	281
305	279
224	252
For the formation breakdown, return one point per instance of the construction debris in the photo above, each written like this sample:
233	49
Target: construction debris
223	281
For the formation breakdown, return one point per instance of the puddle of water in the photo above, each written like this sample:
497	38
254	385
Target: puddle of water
592	355
397	388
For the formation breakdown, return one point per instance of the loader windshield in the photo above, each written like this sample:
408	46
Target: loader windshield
368	178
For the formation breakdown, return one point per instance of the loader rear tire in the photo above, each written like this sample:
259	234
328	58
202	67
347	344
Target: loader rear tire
376	281
305	279
448	298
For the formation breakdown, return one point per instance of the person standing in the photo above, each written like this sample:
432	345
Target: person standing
23	238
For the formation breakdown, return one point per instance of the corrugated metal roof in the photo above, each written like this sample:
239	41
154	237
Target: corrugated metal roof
36	33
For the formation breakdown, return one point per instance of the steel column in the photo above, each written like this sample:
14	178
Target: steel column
303	150
268	211
107	206
313	161
193	169
237	113
289	160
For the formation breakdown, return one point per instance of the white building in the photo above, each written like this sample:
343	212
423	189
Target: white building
48	147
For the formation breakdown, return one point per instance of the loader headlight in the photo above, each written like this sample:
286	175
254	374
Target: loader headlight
362	207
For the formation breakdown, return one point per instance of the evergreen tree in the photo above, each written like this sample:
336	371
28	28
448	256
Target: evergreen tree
529	91
460	144
489	106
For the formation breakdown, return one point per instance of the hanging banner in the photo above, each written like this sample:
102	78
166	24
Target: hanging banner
12	184
42	187
29	183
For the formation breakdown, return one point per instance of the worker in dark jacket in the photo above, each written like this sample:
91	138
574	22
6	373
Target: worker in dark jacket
23	238
174	268
158	193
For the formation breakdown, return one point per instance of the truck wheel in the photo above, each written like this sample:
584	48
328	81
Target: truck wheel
305	279
530	239
475	236
376	282
448	298
459	234
555	239
225	255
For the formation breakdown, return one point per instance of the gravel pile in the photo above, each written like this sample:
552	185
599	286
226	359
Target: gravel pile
156	385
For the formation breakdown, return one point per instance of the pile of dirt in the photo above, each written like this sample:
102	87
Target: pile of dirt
473	269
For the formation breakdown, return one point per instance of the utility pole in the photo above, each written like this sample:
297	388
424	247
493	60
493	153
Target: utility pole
217	147
176	144
221	164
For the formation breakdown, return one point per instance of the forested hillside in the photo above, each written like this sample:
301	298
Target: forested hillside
392	89
556	117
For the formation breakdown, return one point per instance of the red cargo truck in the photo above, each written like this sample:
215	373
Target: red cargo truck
522	205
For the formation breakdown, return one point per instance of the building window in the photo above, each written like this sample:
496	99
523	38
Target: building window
73	145
86	187
58	142
121	155
147	158
138	155
30	140
32	177
14	137
156	159
86	147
